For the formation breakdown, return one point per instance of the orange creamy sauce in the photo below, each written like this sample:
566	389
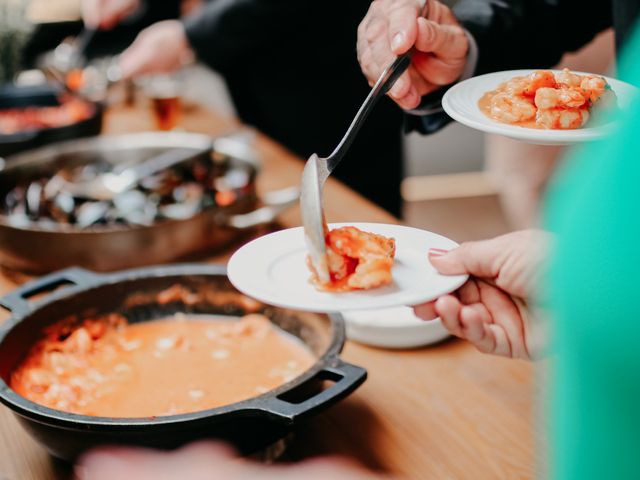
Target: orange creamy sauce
165	367
485	107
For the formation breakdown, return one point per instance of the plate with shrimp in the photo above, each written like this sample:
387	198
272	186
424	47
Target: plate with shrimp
549	107
371	266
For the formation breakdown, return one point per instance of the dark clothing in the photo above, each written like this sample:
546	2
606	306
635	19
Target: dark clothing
514	34
104	42
292	71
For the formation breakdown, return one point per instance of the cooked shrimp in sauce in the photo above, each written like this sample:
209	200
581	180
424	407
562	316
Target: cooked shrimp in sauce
357	260
545	99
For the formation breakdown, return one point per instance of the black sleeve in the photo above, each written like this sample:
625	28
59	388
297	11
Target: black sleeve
514	34
223	31
530	33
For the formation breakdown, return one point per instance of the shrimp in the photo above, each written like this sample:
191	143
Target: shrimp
515	86
539	79
509	108
568	78
547	98
563	119
357	260
594	87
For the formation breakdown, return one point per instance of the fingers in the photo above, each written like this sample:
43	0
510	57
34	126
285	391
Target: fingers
143	464
483	315
468	294
162	47
402	25
477	328
507	317
390	29
445	41
448	308
472	258
426	311
91	13
205	461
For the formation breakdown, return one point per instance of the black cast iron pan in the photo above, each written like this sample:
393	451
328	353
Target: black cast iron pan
249	425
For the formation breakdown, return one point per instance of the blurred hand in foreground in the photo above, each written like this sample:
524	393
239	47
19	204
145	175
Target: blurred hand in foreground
392	27
205	461
490	310
161	48
106	14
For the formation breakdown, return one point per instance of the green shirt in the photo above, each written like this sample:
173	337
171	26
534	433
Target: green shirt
594	292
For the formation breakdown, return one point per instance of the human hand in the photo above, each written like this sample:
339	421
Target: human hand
205	461
163	47
106	14
490	310
392	27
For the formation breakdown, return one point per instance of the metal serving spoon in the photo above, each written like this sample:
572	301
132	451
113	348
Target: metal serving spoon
317	169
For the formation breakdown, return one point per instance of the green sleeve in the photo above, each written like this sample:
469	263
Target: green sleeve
594	291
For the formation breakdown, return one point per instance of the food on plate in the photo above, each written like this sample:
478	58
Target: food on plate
548	100
357	260
177	193
71	110
185	363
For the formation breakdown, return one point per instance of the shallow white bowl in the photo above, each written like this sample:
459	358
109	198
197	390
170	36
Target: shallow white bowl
461	103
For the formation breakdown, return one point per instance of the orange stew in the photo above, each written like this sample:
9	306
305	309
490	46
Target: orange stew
107	367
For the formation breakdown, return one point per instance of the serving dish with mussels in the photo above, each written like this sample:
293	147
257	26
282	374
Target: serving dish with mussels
199	204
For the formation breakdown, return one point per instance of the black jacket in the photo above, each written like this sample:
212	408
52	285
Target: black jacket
292	71
514	34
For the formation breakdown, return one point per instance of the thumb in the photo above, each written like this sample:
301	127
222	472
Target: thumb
443	40
472	258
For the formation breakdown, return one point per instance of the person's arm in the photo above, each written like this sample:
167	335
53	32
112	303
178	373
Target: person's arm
508	34
224	31
221	34
515	34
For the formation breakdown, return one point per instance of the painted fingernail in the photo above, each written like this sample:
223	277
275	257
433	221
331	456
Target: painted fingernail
397	41
437	252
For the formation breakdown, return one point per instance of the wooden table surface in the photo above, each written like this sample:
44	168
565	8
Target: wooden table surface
443	412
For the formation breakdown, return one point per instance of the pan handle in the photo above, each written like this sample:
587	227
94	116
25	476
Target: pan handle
17	301
275	203
346	377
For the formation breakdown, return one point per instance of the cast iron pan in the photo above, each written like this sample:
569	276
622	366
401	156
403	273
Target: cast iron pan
249	425
45	95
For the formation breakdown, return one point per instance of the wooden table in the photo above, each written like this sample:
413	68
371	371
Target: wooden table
444	412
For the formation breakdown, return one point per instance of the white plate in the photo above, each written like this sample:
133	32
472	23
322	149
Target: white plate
273	270
461	103
393	328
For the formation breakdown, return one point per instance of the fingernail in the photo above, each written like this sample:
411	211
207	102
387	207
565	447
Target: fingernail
437	252
397	41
